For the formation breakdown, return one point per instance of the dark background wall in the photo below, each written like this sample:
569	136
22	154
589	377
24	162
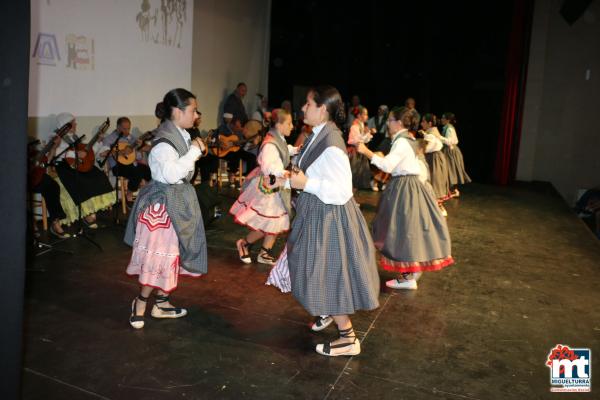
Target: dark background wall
14	76
449	56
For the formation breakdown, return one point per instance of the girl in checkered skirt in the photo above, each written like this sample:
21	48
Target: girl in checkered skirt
409	228
457	175
165	226
331	256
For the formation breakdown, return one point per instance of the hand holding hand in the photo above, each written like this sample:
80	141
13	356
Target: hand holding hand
361	148
298	180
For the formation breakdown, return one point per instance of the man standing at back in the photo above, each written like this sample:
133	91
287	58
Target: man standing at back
235	105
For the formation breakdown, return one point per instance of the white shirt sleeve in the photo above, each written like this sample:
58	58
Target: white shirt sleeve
168	167
98	148
269	161
330	178
451	139
293	150
396	155
61	147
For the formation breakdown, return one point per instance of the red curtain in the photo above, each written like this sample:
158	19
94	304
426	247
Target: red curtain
514	92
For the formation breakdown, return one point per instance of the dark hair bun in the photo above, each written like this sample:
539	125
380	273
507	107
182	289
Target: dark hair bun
332	99
159	110
175	98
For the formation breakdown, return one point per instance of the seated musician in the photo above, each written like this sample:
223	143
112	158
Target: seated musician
124	158
90	189
232	126
50	191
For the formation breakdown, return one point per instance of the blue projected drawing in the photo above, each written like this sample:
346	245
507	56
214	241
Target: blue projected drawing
46	49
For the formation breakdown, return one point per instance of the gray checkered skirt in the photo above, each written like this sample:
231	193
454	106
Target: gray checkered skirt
331	258
361	170
438	172
457	175
409	225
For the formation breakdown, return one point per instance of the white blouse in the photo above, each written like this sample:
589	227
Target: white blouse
64	144
434	142
329	176
450	138
166	165
269	160
401	160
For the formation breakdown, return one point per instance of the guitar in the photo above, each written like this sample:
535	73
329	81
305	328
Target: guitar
127	158
87	163
230	143
38	161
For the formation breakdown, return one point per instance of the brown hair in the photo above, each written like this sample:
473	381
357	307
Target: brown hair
278	115
406	116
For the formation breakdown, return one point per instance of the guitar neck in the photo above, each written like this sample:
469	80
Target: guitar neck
93	141
94	138
44	151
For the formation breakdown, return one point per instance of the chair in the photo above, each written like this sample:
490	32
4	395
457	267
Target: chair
43	213
122	182
222	171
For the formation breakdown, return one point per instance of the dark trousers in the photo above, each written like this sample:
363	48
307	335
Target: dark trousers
208	164
133	173
50	191
233	160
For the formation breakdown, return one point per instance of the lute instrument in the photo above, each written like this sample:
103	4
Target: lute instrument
38	161
87	163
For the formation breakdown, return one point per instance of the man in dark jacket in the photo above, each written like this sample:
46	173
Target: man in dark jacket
235	105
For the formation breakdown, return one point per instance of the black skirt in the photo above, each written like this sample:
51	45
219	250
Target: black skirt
83	185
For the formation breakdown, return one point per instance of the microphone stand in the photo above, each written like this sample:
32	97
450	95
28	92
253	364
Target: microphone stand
116	174
81	231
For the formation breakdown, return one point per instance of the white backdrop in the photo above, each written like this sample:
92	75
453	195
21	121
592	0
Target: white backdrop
108	57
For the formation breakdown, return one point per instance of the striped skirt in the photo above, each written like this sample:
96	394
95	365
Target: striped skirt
155	256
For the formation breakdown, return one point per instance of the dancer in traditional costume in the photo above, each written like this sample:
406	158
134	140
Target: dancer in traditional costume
264	204
165	226
409	229
362	178
457	175
330	252
436	160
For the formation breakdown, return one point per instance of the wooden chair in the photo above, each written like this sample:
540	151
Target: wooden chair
122	182
222	170
41	203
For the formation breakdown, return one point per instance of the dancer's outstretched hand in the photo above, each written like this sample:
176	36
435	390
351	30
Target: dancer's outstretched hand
298	180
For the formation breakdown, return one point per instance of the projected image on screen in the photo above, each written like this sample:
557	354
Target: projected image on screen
97	58
163	24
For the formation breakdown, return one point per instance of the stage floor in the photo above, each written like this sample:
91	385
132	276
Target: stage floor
526	278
